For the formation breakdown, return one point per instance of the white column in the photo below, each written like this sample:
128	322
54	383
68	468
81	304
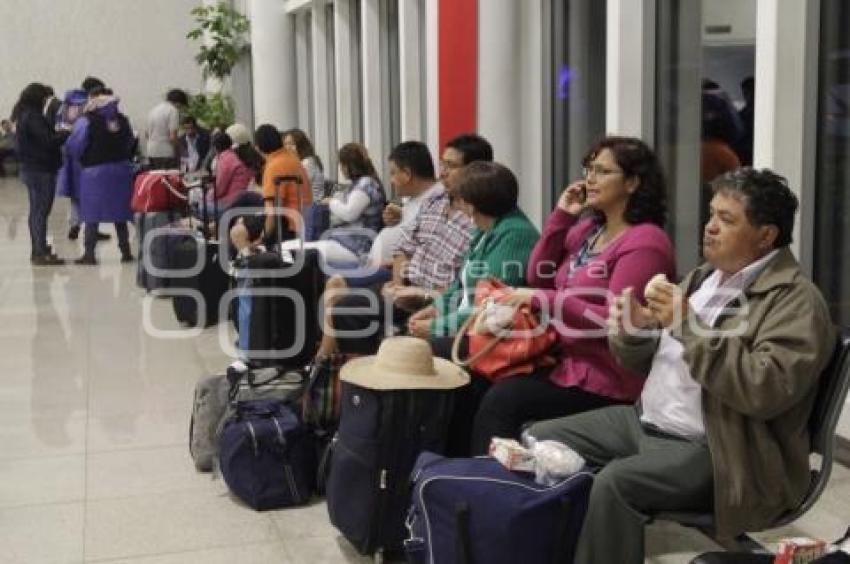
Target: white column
412	109
786	105
370	53
303	65
531	132
432	75
630	68
322	81
499	111
274	69
347	106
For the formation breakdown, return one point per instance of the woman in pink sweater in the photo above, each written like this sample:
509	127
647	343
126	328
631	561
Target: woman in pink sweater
238	164
604	236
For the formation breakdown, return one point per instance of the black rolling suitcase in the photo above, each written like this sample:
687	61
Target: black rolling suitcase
381	433
276	308
198	249
199	305
158	252
278	293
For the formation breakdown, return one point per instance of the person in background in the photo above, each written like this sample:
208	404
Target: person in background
89	83
717	148
727	108
102	144
359	206
281	162
72	108
731	359
51	108
459	152
233	173
296	140
7	144
718	139
73	105
39	154
580	263
747	115
163	145
245	150
194	144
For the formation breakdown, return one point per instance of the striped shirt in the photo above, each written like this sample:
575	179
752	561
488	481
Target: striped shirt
436	242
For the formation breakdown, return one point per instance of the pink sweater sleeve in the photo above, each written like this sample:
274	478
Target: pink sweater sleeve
551	250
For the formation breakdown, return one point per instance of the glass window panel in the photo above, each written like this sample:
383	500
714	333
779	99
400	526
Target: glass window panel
702	56
578	85
832	224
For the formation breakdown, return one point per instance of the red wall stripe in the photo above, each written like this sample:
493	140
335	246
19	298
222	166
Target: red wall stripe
458	61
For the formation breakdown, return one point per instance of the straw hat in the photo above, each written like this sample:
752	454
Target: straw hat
239	134
404	363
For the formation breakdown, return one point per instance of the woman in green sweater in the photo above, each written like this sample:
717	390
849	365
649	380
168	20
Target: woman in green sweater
500	247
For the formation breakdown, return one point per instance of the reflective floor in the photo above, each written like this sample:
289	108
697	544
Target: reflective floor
94	412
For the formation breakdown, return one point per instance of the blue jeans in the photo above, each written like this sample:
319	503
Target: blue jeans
41	187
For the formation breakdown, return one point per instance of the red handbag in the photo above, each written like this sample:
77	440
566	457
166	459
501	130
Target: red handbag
504	340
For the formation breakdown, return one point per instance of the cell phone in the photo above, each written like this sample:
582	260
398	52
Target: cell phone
582	194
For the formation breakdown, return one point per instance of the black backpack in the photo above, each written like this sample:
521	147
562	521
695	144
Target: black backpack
109	140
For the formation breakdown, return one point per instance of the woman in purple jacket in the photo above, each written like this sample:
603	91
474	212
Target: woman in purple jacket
102	145
604	236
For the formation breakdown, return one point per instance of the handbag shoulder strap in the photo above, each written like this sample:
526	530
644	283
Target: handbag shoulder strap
460	335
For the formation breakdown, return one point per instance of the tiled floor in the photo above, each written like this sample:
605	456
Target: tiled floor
94	416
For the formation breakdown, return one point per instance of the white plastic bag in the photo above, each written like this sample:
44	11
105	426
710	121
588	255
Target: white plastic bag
553	461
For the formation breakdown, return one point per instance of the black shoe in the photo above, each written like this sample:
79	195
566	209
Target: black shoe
74	233
87	260
46	260
127	257
103	236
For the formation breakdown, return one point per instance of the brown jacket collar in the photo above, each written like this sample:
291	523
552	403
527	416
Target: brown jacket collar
781	271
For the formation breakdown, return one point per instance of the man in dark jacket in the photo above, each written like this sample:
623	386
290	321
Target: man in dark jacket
194	144
38	151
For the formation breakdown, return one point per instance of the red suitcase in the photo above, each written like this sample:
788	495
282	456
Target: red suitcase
157	191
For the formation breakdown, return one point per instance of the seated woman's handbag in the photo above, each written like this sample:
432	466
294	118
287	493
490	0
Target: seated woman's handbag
504	340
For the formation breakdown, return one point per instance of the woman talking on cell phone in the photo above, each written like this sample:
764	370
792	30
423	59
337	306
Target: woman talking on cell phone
605	235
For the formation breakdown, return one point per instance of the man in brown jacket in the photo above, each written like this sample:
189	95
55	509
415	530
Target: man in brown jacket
732	358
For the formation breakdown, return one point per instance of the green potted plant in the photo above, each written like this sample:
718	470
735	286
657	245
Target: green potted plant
222	31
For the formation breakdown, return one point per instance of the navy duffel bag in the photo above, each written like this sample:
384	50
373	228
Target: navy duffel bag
267	456
471	510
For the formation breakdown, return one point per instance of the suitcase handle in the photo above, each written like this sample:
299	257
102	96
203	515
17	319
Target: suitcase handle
463	541
560	556
278	180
